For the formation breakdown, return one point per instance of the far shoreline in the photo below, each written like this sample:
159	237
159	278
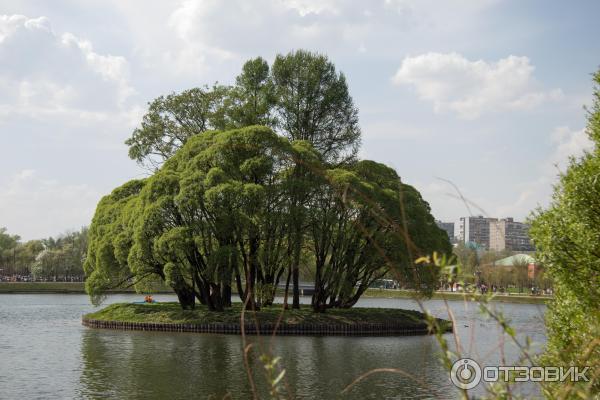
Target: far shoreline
78	288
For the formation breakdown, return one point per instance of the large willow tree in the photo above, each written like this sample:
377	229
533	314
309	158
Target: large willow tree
235	205
365	223
212	215
219	214
301	96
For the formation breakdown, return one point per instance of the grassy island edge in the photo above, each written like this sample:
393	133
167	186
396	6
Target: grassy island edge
170	317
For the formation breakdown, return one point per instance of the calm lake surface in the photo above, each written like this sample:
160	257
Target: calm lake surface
45	353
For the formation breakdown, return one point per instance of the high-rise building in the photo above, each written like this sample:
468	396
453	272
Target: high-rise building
496	234
476	230
448	227
516	236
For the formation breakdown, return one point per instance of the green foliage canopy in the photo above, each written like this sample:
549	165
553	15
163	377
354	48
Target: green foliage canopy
51	258
566	236
247	204
222	210
364	224
301	96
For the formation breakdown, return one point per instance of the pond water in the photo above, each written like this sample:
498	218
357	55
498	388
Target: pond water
45	353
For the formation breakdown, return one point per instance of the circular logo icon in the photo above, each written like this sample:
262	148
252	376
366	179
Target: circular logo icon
465	373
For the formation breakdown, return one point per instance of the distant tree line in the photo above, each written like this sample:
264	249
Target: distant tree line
57	259
479	267
252	182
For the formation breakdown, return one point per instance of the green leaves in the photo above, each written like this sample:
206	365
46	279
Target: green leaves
302	96
252	98
110	239
172	120
185	222
246	204
365	223
567	238
313	103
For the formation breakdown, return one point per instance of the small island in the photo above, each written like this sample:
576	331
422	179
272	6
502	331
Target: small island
170	317
254	200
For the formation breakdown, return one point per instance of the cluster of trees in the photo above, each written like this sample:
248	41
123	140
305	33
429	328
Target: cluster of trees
252	181
58	258
479	266
301	96
566	236
516	276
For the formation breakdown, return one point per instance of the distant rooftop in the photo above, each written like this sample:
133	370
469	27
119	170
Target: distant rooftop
516	259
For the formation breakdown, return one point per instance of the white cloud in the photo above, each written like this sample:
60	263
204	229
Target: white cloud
9	24
65	109
449	201
526	196
35	206
529	196
69	99
568	143
206	40
24	174
472	88
210	32
305	7
46	75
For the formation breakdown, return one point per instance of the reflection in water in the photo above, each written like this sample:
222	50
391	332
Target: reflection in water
140	365
45	353
325	366
149	365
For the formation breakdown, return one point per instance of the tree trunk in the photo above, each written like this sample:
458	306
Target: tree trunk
296	269
250	299
226	283
268	288
238	284
186	298
296	287
216	297
287	288
199	293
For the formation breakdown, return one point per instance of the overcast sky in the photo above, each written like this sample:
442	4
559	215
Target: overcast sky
486	94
